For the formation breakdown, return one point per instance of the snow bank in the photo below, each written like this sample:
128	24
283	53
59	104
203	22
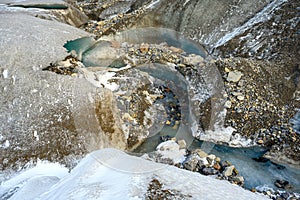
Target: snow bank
112	174
33	182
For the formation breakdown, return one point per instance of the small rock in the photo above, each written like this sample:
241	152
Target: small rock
260	141
191	163
235	171
225	164
234	76
144	48
202	163
227	104
194	60
282	184
241	83
209	171
182	144
288	186
127	117
238	179
241	98
211	159
104	6
200	153
253	190
285	195
165	138
228	171
217	166
236	94
175	49
269	193
226	70
211	156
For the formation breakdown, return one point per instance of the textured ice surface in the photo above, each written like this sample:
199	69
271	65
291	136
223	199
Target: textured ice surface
34	102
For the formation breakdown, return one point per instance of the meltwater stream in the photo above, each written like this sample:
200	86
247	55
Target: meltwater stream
256	171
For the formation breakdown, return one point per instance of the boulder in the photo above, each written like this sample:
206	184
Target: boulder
228	171
234	76
191	163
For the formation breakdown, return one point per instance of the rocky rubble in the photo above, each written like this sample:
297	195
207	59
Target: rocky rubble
263	118
260	100
268	56
138	102
258	108
276	194
170	152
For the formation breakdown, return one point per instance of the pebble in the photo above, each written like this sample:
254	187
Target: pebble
218	159
228	171
194	60
211	157
182	144
175	49
260	141
253	190
282	184
269	193
200	153
227	70
168	122
241	98
217	166
234	76
209	171
238	179
127	117
191	163
144	48
227	104
225	164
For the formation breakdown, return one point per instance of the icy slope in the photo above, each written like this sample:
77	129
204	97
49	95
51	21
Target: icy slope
112	174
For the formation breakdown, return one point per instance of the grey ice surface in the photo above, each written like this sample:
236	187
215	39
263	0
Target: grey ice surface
34	104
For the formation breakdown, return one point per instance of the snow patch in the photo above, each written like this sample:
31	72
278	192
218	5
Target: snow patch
259	17
100	79
218	135
186	1
239	141
5	73
6	144
171	150
152	4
